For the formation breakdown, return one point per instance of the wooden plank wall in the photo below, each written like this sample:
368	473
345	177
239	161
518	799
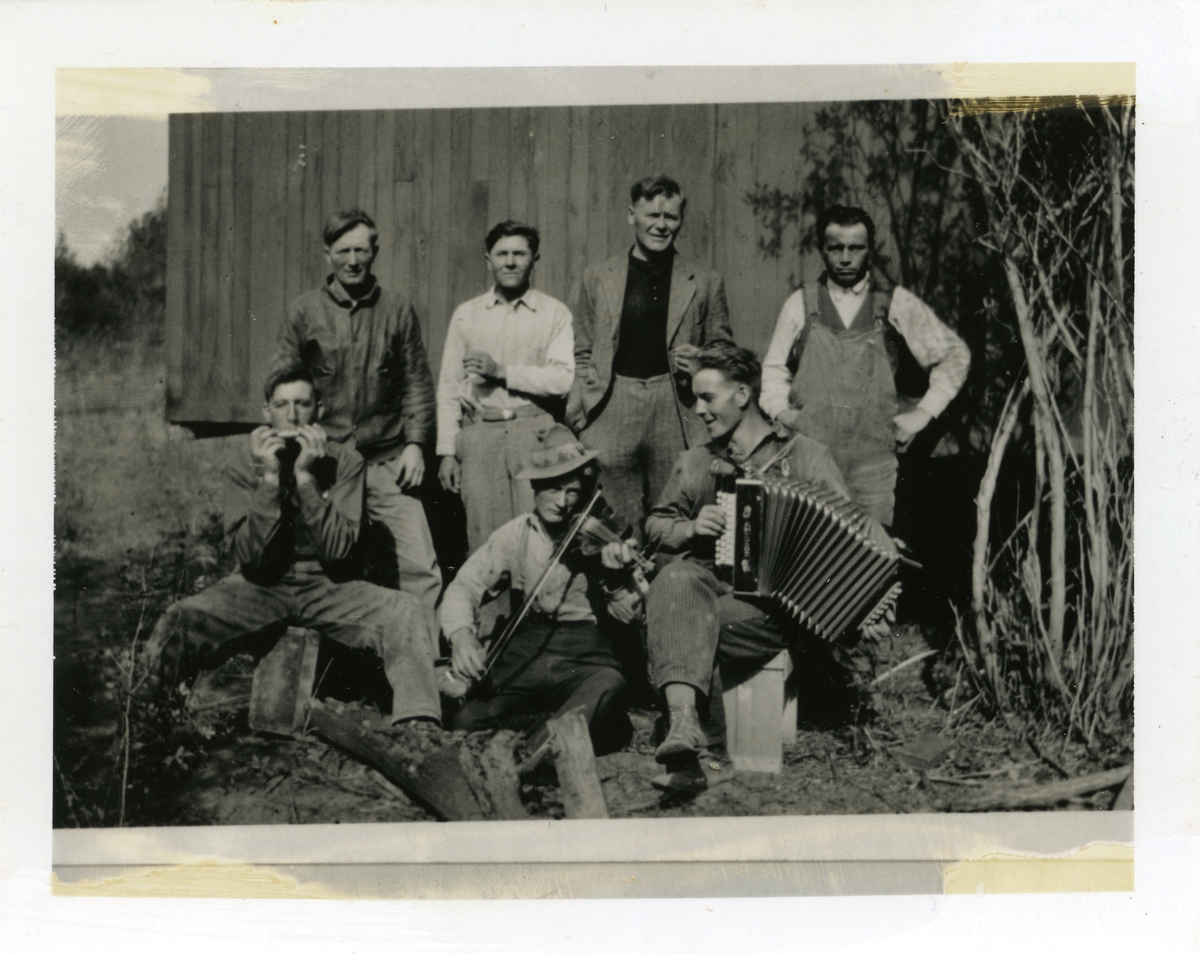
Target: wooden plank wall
248	193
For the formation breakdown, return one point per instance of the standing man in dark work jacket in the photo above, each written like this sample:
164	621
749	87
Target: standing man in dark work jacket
363	346
640	319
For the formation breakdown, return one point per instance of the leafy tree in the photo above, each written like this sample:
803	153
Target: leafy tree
123	299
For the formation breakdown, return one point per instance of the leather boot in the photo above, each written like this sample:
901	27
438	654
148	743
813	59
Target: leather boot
685	738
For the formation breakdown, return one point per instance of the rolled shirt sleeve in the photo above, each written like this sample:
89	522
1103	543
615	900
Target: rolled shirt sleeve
937	349
776	379
554	377
487	570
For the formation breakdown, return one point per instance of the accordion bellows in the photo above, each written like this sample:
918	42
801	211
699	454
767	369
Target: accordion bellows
805	550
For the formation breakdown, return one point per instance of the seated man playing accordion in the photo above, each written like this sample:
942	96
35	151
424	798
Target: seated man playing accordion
688	608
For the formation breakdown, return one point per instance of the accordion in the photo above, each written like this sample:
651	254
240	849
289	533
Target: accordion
805	551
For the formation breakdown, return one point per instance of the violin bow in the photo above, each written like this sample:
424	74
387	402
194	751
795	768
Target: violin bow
501	642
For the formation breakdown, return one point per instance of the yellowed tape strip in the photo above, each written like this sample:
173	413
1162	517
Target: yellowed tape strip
211	880
1094	868
1027	80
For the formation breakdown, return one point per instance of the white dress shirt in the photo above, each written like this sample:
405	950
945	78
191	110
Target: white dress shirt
530	338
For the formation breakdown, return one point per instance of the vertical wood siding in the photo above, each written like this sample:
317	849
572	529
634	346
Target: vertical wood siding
249	192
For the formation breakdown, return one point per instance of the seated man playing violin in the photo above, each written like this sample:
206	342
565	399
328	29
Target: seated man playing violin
559	657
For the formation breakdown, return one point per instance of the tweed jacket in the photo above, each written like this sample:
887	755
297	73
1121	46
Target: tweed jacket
696	314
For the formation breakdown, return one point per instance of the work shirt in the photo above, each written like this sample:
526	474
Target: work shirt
693	485
531	338
642	341
848	301
514	557
369	363
935	347
317	520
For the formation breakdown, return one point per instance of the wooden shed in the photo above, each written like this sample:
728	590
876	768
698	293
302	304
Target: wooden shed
249	192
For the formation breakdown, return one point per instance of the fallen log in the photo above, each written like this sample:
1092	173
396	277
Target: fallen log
423	760
1043	796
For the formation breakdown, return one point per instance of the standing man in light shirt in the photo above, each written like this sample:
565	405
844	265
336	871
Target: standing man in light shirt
506	369
839	350
362	344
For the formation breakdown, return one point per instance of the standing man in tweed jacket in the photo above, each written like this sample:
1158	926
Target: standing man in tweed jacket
362	344
640	319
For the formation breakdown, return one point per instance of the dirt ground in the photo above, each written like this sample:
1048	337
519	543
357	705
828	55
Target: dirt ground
222	773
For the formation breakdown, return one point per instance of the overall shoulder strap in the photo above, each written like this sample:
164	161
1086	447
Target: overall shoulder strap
812	310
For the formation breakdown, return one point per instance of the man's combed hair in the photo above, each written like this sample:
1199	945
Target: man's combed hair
296	372
509	228
740	365
342	222
845	215
653	186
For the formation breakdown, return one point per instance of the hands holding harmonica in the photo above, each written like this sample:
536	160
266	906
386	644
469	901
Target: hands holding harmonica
267	443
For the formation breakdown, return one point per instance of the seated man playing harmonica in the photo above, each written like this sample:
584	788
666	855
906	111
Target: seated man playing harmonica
560	657
297	544
687	607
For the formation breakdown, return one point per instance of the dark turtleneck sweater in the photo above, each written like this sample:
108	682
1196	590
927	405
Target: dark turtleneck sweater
642	340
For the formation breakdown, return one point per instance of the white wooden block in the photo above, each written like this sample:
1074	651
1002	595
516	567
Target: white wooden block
754	700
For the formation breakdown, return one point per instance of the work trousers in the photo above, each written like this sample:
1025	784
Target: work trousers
491	454
638	436
402	532
548	670
694	623
190	634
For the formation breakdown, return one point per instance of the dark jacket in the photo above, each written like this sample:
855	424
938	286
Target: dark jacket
369	363
319	520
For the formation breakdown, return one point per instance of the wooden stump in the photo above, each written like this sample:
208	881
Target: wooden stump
578	779
500	769
283	682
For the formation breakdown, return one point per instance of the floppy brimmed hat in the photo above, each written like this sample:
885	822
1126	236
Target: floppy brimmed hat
559	453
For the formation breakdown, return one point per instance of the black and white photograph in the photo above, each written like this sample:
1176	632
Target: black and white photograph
619	477
593	461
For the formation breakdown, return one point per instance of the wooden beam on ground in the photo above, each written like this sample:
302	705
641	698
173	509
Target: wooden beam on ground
1043	796
422	759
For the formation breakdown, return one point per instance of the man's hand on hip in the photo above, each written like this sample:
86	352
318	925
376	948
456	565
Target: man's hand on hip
412	467
909	425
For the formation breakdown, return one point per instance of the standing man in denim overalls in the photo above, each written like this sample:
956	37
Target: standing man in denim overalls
830	372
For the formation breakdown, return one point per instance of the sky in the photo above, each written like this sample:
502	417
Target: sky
108	171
